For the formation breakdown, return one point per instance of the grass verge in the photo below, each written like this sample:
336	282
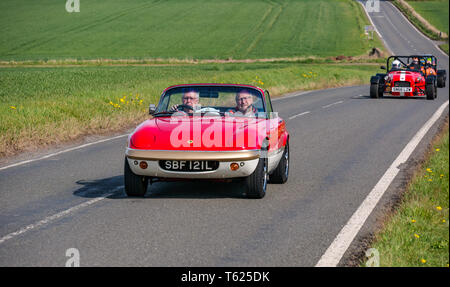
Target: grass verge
418	234
444	47
46	106
421	26
434	11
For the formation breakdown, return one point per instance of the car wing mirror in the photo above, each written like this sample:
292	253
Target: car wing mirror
151	109
383	67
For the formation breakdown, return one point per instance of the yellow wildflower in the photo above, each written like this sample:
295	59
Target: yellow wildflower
438	208
437	149
13	107
416	235
413	221
423	261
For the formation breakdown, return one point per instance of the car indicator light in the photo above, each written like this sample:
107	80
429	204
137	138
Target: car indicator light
234	166
143	165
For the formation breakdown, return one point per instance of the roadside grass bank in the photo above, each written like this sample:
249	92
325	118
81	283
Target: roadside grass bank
48	106
435	12
417	235
428	30
444	47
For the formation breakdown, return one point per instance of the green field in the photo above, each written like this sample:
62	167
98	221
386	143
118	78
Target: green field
41	106
183	29
435	12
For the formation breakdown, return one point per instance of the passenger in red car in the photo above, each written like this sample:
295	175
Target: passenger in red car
244	104
189	100
429	69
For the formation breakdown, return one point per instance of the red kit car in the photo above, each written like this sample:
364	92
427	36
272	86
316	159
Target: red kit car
409	76
213	132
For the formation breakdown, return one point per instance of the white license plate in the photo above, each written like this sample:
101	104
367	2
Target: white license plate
402	89
188	165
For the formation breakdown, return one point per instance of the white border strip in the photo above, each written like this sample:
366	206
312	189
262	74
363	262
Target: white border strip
54	217
297	115
345	237
333	104
60	152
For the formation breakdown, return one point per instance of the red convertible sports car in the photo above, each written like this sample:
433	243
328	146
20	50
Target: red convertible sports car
219	132
409	76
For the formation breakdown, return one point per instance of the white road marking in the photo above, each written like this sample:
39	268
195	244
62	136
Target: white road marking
292	96
311	91
60	152
336	250
56	216
304	113
336	103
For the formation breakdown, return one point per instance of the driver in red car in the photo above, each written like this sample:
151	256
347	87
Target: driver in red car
414	64
244	104
189	100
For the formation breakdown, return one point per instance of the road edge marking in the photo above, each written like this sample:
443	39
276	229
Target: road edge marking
60	152
339	246
56	216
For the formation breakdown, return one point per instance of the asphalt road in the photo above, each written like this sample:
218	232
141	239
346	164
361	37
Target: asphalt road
341	144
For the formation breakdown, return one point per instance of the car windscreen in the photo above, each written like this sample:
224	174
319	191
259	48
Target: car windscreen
411	63
212	99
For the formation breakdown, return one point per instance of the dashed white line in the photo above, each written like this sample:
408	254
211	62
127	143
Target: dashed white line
336	250
336	103
56	216
301	114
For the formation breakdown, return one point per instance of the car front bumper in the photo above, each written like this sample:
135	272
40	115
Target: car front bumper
247	160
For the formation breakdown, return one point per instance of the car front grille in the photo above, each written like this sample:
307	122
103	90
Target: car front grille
401	84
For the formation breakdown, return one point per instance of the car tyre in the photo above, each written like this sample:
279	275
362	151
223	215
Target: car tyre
256	183
374	91
441	78
281	173
430	91
135	185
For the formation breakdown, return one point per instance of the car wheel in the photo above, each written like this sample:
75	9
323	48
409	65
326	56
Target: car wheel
256	183
430	91
281	173
374	91
135	185
441	78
